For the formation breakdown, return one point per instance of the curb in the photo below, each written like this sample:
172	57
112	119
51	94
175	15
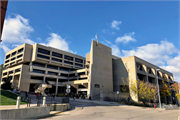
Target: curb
56	113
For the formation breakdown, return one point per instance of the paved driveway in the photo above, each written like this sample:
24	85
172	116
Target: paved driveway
87	111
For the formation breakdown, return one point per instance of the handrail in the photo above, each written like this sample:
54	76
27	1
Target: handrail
95	97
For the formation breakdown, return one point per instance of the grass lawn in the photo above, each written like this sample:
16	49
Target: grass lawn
8	98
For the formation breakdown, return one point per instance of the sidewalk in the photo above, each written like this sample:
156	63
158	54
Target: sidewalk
99	102
6	107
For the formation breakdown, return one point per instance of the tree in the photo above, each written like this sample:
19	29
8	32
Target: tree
6	84
145	91
176	87
165	89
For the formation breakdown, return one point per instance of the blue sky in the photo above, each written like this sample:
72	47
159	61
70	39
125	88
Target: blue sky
149	30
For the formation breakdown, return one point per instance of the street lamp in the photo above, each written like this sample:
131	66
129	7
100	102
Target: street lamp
158	87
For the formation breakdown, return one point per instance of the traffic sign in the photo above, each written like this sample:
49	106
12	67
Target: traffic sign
68	86
68	90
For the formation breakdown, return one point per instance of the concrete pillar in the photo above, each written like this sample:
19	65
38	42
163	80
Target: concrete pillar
44	101
56	85
44	79
62	59
101	96
18	102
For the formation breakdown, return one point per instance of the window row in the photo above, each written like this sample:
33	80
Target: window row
12	71
14	53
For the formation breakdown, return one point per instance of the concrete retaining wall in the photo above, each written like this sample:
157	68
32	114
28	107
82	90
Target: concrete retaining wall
32	112
113	95
60	107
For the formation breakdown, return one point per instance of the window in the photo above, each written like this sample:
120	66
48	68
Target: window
20	50
68	62
13	54
13	59
44	51
158	74
12	63
38	64
78	60
96	85
18	70
56	54
42	56
19	60
78	65
19	56
7	56
52	73
149	70
38	71
5	73
64	69
57	60
72	75
6	61
11	72
37	77
83	73
64	75
52	67
68	57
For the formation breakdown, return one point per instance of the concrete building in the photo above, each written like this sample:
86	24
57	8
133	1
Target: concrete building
30	65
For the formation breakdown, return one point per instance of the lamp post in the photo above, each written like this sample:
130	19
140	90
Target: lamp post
158	87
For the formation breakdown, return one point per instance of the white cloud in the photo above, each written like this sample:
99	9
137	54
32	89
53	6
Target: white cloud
115	24
107	31
126	38
58	42
115	48
16	30
173	65
155	53
5	48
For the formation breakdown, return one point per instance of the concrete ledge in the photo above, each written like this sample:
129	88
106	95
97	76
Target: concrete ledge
60	107
33	112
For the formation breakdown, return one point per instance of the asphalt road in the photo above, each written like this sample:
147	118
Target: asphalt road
91	111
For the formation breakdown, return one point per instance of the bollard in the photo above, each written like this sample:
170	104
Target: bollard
18	102
44	101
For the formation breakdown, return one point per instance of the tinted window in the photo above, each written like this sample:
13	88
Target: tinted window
7	61
52	67
68	57
19	56
56	54
8	56
58	60
38	64
42	56
64	69
21	50
13	59
68	62
13	54
78	60
38	71
52	73
78	65
43	51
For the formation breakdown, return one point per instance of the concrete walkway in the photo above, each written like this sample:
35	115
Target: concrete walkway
99	102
